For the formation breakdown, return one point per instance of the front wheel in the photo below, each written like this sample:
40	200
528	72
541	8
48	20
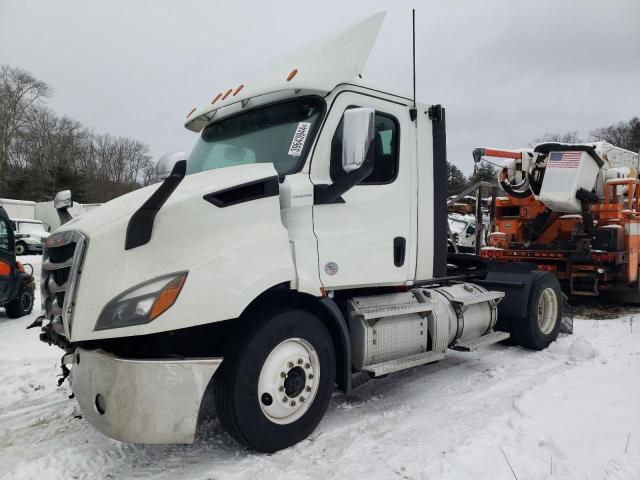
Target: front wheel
21	305
21	248
544	315
274	388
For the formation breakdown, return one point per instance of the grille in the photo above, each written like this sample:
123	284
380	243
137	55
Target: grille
61	259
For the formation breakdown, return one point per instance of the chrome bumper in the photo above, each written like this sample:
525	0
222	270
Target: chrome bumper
141	401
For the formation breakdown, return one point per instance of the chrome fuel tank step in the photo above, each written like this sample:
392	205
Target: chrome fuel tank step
483	341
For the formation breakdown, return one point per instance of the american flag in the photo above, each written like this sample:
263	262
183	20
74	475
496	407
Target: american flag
564	159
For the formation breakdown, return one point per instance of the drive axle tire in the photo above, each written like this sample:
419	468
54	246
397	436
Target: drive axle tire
544	315
275	386
21	305
21	248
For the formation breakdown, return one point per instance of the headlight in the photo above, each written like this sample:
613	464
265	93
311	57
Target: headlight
142	303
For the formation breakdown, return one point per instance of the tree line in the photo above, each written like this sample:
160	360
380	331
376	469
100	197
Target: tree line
42	153
624	134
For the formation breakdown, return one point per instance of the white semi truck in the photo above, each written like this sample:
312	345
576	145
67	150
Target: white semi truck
301	245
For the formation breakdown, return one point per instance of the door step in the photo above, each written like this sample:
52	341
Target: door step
483	341
403	363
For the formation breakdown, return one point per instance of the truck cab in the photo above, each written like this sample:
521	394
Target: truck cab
315	207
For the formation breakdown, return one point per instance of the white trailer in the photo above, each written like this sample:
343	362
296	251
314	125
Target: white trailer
47	213
300	247
19	208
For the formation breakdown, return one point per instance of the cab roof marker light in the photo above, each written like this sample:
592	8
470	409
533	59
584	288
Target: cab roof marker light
238	90
189	114
292	74
227	93
216	98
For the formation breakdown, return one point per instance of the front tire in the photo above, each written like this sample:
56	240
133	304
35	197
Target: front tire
544	315
21	305
274	388
21	248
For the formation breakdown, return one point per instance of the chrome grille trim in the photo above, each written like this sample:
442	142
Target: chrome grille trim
63	254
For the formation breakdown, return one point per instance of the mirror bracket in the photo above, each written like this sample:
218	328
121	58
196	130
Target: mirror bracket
327	194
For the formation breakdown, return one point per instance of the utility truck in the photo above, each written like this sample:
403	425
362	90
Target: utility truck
301	246
574	210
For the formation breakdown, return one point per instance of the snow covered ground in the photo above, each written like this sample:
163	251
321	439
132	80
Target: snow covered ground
570	412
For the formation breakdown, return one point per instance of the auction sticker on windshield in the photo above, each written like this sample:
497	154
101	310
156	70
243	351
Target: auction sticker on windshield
295	150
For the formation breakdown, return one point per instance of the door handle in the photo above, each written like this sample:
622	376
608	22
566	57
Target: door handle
399	250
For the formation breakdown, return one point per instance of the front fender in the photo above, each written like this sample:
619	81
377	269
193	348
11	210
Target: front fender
232	254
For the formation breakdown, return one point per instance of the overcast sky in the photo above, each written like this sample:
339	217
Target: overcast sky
507	71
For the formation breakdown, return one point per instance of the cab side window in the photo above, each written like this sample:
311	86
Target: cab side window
4	235
386	141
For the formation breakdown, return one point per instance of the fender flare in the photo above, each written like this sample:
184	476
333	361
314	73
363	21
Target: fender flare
340	335
326	310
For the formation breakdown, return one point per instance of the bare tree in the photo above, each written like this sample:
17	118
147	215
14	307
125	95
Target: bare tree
19	91
571	136
623	134
42	153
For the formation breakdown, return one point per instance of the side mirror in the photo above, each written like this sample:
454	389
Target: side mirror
358	135
63	200
166	162
358	130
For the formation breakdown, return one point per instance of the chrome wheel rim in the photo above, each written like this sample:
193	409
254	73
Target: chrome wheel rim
547	310
289	381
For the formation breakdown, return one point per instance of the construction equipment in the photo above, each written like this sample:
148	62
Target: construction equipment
572	209
16	285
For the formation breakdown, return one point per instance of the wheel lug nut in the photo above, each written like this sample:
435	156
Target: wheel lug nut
285	399
307	366
283	375
301	399
281	388
300	362
308	389
290	365
311	376
293	404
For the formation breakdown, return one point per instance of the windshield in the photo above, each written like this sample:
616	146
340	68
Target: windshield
457	226
279	133
30	227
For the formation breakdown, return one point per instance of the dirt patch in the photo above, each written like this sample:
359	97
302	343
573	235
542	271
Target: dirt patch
601	309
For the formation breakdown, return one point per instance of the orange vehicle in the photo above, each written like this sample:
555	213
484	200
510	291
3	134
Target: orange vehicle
573	210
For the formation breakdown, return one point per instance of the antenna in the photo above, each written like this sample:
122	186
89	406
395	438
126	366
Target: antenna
413	13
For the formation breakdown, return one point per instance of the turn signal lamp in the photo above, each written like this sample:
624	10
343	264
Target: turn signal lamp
167	297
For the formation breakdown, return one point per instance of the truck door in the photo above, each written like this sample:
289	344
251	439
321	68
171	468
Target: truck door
366	239
7	257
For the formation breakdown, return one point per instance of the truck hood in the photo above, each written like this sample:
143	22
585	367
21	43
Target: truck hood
232	253
192	186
